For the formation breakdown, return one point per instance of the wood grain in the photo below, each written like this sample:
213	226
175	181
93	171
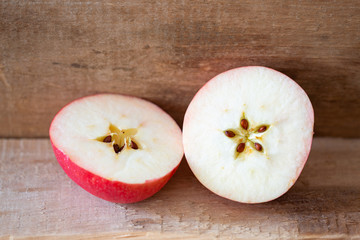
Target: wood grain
53	52
38	201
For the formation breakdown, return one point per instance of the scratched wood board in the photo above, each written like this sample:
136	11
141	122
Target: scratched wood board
52	52
38	201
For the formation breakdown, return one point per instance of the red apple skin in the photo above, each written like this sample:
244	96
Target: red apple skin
113	191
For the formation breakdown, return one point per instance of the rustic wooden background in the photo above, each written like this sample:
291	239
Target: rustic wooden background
55	51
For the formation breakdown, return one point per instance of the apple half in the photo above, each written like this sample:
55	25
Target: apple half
119	148
247	134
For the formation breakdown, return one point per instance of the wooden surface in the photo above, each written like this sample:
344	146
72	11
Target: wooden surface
52	52
38	201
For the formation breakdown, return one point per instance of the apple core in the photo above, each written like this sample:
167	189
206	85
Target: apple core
245	137
120	139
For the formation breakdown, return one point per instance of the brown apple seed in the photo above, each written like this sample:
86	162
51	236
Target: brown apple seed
262	129
244	124
107	139
240	148
230	134
117	148
258	146
133	145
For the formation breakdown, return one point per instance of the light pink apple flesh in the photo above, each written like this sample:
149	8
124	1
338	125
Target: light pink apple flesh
247	134
130	175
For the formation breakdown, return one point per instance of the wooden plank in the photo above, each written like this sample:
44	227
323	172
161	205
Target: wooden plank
125	235
55	51
38	201
155	236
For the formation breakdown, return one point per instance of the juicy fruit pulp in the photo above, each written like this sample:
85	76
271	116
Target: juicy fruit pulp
119	148
247	134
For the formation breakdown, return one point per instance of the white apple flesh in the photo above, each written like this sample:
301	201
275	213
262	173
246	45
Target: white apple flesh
122	149
247	134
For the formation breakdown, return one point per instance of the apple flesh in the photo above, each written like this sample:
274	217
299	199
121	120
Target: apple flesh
247	134
84	135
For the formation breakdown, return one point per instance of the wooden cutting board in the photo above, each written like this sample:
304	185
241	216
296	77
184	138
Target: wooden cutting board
38	201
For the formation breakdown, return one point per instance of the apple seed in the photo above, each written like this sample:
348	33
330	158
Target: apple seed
117	148
229	134
262	129
133	145
107	139
243	135
258	146
240	148
244	124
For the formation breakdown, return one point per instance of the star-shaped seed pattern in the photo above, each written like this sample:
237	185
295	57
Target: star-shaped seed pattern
120	139
247	136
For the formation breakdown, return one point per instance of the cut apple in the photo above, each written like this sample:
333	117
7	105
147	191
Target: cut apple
247	134
122	149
